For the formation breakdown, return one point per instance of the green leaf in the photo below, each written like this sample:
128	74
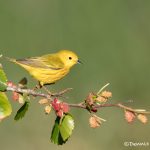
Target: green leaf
55	132
3	79
55	136
66	126
22	111
5	106
62	129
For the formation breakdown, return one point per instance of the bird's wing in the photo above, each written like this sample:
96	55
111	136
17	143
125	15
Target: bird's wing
45	62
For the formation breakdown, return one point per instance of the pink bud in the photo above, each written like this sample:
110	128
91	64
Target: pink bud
56	104
60	113
65	108
9	83
94	110
15	96
129	116
55	100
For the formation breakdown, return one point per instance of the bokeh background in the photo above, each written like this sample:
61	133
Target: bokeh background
112	38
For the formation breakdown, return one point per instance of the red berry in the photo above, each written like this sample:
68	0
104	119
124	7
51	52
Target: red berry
129	116
15	96
65	108
55	100
56	104
94	110
60	107
60	113
9	83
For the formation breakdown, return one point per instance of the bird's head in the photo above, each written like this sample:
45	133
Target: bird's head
68	57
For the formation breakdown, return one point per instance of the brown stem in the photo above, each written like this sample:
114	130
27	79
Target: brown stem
79	105
123	107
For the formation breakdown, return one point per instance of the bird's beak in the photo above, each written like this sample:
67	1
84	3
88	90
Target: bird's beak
79	62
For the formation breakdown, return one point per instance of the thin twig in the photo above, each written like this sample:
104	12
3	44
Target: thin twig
79	105
102	88
123	107
61	92
28	91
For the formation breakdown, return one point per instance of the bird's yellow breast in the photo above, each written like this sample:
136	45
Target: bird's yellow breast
46	76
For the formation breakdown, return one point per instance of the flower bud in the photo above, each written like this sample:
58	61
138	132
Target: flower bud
94	121
15	96
129	116
142	118
43	101
47	109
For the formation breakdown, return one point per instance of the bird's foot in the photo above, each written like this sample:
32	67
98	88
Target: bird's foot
37	87
45	88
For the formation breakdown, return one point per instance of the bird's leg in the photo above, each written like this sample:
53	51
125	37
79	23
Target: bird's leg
38	86
45	88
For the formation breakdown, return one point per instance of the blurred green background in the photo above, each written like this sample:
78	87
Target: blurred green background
112	40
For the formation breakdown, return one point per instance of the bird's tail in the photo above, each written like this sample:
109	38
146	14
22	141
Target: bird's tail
7	58
10	59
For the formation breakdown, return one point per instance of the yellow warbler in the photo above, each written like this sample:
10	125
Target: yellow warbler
49	68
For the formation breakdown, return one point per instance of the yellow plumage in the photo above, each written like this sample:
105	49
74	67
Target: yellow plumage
49	68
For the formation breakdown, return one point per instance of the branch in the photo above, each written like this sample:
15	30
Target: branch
79	105
141	111
35	94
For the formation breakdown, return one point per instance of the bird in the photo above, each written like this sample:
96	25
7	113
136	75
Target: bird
49	68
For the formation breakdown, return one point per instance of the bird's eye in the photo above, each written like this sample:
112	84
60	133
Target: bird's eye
70	58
